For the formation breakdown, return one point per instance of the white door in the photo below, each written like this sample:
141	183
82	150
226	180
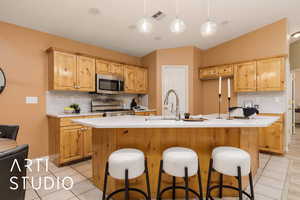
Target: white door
175	77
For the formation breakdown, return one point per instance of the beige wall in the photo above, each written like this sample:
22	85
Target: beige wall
23	58
268	41
294	55
150	61
189	56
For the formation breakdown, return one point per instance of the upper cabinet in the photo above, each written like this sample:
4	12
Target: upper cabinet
216	72
245	77
85	73
136	79
260	75
71	72
270	74
106	67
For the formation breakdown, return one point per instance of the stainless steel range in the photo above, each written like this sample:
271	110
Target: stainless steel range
110	107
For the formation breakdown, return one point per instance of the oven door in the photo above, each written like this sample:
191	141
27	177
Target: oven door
109	84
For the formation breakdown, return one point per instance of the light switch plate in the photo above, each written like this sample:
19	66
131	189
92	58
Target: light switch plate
31	100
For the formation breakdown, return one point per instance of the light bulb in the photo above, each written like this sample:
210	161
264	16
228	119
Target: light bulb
208	28
177	26
144	25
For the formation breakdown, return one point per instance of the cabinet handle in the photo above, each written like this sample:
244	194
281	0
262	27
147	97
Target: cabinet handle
125	132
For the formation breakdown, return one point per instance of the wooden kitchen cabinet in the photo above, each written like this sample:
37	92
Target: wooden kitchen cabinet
141	80
136	79
62	71
270	74
215	72
245	77
87	139
69	141
271	139
71	144
106	67
85	73
68	71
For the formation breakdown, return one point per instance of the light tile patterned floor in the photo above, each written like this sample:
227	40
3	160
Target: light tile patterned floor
271	181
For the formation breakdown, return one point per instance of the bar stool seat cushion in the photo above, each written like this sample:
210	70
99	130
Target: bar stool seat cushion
175	159
226	160
131	159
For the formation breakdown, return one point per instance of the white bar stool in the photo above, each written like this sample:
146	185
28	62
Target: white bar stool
179	162
125	164
230	161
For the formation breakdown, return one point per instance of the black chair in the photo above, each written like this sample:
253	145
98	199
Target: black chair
7	159
9	131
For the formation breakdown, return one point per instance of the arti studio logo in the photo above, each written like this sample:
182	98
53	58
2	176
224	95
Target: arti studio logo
48	182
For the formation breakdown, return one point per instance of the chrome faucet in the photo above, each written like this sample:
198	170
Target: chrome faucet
166	102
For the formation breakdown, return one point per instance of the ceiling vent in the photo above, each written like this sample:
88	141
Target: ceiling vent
158	16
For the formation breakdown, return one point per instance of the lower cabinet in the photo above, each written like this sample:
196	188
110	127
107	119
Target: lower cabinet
71	144
271	139
69	141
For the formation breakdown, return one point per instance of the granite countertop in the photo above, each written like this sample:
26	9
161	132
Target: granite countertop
62	115
147	110
156	122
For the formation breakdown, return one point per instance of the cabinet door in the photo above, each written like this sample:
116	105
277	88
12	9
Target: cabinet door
225	71
141	80
102	67
270	74
270	138
245	77
71	143
86	73
130	79
117	69
88	145
64	71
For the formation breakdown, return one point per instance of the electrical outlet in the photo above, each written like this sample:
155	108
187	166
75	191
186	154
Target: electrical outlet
31	100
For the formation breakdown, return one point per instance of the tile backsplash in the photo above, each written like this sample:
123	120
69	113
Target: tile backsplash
57	100
269	102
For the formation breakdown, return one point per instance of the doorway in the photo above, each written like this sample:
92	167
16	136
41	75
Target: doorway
175	77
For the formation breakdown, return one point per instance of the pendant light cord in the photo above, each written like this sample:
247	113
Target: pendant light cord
176	8
208	9
145	8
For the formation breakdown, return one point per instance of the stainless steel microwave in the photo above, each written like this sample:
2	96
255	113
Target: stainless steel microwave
109	84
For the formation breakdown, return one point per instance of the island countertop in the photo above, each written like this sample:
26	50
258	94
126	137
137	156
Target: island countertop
155	122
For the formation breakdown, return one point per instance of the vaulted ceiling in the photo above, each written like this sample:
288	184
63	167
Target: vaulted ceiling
111	23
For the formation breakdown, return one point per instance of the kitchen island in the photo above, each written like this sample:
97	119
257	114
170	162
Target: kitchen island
153	135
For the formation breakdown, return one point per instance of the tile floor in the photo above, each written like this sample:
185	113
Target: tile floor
278	178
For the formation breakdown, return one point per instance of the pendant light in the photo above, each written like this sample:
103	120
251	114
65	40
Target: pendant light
144	25
177	26
209	27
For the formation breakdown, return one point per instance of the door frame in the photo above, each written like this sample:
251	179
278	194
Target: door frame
186	68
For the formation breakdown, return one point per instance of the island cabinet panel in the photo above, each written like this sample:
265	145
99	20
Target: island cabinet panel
85	73
136	80
245	77
270	74
64	76
271	139
153	141
71	72
69	141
